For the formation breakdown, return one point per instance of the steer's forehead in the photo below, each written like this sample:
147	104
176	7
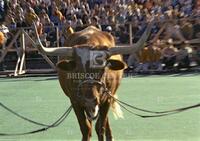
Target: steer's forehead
84	55
95	57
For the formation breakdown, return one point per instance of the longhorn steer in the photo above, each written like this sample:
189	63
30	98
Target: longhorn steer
89	67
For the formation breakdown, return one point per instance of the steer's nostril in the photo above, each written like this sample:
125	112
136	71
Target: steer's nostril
93	110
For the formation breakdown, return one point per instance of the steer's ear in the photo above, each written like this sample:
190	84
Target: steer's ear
66	65
116	64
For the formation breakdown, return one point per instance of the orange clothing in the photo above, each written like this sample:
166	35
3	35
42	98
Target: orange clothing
2	38
143	55
157	55
40	29
30	17
149	55
59	14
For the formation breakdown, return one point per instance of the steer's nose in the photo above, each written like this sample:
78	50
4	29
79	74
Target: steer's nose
95	111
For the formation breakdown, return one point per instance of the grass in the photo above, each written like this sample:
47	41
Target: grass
41	99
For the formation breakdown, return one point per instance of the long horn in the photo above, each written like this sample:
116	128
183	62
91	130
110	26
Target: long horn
136	47
52	51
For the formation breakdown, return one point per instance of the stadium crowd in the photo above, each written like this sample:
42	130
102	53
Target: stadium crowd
176	21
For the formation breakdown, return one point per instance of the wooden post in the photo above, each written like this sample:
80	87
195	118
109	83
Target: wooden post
130	34
43	55
22	64
57	37
17	66
4	51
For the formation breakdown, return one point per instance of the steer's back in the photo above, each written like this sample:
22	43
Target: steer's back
90	36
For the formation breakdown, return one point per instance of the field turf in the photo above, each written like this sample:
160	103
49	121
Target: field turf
41	99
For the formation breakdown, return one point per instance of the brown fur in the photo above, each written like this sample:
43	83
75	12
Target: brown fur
99	40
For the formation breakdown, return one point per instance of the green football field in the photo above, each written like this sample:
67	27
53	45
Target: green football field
41	99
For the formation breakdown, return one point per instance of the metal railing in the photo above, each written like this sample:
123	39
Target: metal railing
22	36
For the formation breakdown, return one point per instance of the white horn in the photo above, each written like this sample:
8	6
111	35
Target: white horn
136	47
52	51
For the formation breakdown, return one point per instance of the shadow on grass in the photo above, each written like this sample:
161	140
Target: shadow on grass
185	73
7	79
40	77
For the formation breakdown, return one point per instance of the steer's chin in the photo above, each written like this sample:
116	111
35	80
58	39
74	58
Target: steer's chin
92	114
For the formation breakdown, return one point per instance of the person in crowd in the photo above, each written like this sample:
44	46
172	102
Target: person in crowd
57	17
95	22
149	59
196	28
172	28
183	56
44	18
3	10
3	28
123	35
196	55
187	29
169	55
30	16
2	38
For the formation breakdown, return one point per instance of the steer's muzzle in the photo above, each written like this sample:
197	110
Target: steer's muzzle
88	93
92	113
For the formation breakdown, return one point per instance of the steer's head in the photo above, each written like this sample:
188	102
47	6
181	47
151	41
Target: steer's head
87	69
89	66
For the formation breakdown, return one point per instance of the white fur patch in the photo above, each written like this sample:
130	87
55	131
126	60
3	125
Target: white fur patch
84	54
96	110
117	112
